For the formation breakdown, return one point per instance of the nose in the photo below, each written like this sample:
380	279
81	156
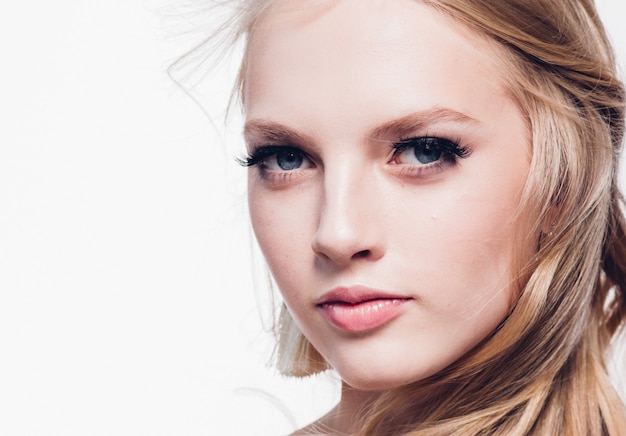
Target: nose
350	227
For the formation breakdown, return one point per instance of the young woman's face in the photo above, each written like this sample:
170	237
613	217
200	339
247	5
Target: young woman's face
388	163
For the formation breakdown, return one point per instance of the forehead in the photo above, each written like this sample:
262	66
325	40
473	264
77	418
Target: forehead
364	50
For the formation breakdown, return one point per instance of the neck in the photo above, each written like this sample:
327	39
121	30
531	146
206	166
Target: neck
347	416
343	419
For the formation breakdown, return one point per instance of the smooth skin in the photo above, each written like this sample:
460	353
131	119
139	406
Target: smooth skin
338	85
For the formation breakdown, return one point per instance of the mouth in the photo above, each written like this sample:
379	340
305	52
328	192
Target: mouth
360	309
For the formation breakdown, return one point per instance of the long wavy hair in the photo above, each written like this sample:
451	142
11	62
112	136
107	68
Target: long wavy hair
543	370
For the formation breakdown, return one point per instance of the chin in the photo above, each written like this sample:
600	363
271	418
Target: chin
373	385
381	379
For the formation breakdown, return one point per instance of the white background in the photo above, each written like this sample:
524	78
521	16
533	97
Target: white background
128	303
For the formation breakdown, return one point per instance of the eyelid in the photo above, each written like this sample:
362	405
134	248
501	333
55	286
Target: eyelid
450	153
450	147
258	155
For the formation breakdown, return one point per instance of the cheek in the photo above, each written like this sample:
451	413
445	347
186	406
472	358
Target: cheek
462	246
282	224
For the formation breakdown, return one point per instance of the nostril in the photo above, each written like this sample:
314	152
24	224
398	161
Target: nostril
362	253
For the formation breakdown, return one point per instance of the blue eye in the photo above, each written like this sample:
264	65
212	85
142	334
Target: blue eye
278	158
427	154
427	150
288	160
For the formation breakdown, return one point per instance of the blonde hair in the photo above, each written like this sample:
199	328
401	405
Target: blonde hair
543	370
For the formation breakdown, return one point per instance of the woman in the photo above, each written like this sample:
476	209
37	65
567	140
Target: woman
433	186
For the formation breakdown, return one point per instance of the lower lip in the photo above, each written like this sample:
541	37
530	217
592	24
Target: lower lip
364	316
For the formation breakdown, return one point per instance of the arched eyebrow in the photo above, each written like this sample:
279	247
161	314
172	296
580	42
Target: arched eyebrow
418	121
269	132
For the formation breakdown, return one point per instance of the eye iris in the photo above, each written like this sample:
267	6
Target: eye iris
427	154
289	160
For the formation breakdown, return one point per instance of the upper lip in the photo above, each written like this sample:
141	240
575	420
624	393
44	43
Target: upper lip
355	295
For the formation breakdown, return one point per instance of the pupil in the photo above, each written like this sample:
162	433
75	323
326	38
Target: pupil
289	160
427	155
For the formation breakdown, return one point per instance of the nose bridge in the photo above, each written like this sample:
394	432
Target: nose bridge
349	225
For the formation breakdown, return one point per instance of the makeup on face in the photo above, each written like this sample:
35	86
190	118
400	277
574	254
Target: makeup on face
359	309
386	166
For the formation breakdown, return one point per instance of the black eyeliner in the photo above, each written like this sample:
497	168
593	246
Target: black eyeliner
261	153
447	146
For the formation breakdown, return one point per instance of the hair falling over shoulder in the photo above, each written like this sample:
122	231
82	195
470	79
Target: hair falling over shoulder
543	371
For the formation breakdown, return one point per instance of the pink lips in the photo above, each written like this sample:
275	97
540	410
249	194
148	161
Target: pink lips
359	309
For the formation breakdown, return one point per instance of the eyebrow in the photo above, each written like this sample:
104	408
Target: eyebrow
415	121
275	133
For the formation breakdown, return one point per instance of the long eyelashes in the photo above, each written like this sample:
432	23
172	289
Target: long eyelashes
260	154
430	149
278	163
420	153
